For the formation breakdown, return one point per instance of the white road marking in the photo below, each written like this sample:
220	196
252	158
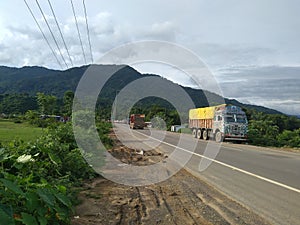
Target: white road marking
229	166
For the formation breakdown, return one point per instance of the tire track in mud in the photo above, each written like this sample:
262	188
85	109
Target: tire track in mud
183	199
166	204
179	206
184	210
144	209
156	198
205	210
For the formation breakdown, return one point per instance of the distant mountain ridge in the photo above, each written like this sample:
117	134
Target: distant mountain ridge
31	80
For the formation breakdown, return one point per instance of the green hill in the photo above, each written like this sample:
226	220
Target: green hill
27	81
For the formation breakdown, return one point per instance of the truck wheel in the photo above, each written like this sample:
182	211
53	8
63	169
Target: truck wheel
219	137
205	135
199	132
194	133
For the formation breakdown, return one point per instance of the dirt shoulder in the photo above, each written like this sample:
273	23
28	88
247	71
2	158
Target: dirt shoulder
182	199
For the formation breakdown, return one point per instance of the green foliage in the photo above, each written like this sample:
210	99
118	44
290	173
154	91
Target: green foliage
263	132
36	178
68	102
32	80
17	103
38	79
103	129
290	138
54	97
273	130
158	122
30	197
34	118
47	103
34	203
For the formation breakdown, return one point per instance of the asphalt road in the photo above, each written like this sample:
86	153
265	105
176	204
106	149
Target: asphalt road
264	180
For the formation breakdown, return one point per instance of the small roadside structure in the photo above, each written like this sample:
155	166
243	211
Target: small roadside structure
56	118
176	128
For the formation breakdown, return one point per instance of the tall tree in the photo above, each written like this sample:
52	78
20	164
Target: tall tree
68	102
47	103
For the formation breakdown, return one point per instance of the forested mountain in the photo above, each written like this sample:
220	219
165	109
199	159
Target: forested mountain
31	80
28	81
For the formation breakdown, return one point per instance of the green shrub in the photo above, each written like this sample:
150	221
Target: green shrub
36	179
290	138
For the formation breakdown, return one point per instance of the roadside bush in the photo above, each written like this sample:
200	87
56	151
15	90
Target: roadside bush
30	203
26	196
103	129
290	138
33	117
36	179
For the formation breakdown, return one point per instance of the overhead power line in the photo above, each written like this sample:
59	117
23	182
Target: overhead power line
78	31
51	33
88	30
61	35
44	36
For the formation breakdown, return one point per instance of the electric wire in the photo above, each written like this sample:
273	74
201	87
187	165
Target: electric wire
88	30
78	31
51	32
44	36
61	35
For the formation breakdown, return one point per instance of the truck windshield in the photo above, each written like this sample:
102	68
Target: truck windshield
241	119
235	119
229	119
139	119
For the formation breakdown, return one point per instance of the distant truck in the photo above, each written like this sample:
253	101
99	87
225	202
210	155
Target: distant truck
222	122
137	121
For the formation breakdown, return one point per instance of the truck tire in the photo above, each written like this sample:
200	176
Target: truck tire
218	137
205	134
199	134
194	132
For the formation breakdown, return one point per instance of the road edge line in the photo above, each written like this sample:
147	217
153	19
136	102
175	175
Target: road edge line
229	166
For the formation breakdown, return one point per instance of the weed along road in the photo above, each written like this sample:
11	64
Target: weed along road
266	181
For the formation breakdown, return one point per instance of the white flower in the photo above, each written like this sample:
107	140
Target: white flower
25	159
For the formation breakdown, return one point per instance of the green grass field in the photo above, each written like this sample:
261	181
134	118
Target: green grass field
10	131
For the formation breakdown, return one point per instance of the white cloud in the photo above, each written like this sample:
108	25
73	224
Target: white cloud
162	31
275	87
238	40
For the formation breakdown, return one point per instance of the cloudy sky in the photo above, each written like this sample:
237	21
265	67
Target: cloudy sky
251	47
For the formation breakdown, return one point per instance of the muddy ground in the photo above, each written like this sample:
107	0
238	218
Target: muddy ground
182	199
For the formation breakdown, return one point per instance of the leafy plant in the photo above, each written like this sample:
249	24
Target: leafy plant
37	178
273	130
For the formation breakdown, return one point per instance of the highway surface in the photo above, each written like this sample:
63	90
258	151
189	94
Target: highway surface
264	180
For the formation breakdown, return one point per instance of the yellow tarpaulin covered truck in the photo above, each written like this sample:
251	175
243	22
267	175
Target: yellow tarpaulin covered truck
222	122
